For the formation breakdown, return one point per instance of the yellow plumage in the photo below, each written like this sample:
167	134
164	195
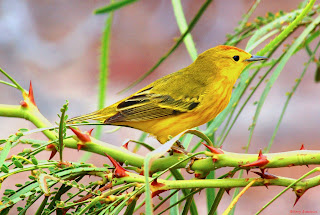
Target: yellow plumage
182	100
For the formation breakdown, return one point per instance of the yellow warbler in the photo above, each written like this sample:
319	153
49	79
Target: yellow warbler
181	100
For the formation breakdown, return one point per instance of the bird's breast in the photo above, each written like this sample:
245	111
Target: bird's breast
214	103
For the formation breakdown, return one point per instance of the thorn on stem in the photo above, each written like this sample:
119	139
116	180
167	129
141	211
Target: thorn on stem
53	150
261	162
228	191
79	146
265	175
299	192
30	95
84	137
213	150
125	145
23	104
119	171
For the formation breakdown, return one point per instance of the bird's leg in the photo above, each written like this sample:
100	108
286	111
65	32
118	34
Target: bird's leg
189	165
179	147
179	144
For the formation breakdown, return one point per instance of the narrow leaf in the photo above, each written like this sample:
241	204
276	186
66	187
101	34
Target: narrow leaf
113	6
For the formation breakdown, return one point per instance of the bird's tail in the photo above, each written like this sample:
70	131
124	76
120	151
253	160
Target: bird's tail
97	115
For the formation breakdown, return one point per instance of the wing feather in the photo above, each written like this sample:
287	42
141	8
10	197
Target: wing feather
147	106
156	101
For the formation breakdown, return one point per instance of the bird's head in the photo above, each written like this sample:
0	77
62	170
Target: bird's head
227	61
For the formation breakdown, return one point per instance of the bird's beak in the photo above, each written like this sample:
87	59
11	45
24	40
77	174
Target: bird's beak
256	58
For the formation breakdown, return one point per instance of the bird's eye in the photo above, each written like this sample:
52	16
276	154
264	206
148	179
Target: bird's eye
236	57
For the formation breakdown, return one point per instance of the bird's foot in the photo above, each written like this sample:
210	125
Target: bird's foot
190	163
178	147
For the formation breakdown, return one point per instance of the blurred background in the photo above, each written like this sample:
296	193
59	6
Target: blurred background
55	44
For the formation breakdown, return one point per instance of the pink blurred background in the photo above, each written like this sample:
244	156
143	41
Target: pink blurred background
56	45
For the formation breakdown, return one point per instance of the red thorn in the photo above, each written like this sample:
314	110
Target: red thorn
266	185
156	193
79	146
53	153
299	193
213	150
155	183
119	171
297	199
30	95
90	131
302	147
228	191
53	150
64	211
247	171
24	104
83	137
126	145
262	161
265	175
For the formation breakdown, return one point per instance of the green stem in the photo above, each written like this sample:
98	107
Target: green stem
43	204
295	182
182	23
121	155
290	96
104	68
103	76
12	80
289	29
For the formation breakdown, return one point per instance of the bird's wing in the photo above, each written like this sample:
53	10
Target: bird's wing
151	104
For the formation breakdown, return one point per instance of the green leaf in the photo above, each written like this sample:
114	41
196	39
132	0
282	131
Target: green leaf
35	145
62	129
113	6
8	192
6	149
4	168
279	68
23	130
260	33
34	160
12	80
216	202
131	206
174	210
210	192
182	23
17	163
32	177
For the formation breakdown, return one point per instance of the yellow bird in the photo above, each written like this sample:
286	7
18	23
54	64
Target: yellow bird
181	100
